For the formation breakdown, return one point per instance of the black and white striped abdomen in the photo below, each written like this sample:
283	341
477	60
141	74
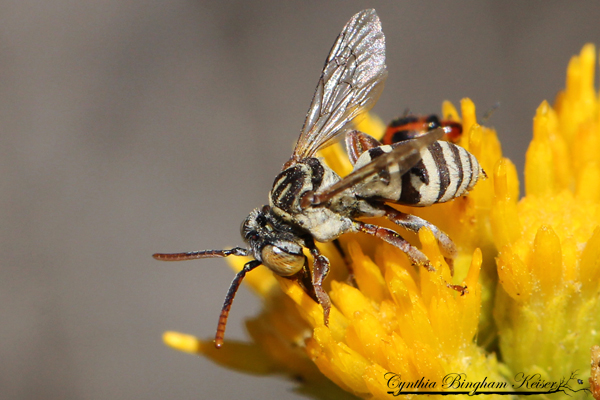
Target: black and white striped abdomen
444	172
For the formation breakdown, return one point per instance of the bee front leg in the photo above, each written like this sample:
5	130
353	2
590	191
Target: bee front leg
304	279
414	223
320	271
391	237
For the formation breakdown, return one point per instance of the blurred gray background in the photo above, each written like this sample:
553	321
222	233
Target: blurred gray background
135	126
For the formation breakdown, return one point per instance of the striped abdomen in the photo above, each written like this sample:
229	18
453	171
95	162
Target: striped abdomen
444	172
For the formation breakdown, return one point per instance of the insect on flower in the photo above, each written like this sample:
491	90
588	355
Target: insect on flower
410	126
309	202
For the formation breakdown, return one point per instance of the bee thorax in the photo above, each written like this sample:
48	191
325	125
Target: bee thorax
308	175
324	223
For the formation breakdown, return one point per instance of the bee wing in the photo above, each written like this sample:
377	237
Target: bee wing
405	154
350	84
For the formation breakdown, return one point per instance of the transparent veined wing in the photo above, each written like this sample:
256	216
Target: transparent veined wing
350	84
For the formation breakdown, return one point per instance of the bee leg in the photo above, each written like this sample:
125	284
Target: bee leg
391	237
304	279
320	271
235	284
350	280
357	143
414	223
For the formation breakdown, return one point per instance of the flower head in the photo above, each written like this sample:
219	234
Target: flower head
549	241
531	266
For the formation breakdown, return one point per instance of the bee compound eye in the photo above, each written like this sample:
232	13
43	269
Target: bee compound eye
280	261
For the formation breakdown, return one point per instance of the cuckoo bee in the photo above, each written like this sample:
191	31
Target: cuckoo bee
310	203
411	126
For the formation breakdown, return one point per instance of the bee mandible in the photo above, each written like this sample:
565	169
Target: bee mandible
310	203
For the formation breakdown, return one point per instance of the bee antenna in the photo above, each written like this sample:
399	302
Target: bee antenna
235	284
489	112
194	255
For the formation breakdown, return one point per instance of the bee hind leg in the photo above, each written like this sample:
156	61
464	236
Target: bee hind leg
391	237
447	246
413	223
414	254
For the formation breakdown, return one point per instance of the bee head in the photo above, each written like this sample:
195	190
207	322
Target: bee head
272	242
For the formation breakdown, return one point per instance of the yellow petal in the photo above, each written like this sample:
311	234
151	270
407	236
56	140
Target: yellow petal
235	355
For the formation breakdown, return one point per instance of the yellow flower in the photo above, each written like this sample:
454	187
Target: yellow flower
548	309
531	266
